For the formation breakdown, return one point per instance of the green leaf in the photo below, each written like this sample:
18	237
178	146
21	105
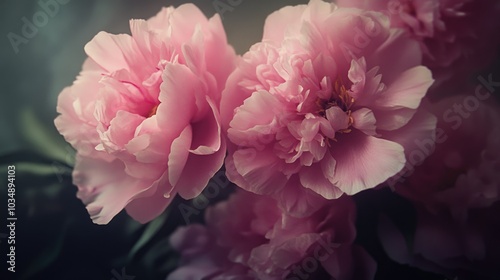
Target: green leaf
151	230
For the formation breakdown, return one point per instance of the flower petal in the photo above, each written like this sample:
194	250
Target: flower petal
363	162
198	171
408	89
105	187
365	121
178	156
259	170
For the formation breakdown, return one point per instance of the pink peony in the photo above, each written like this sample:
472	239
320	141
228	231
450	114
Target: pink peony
252	238
321	106
461	173
202	258
457	37
143	113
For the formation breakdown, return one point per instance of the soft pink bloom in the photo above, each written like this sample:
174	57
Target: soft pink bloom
252	237
143	113
458	37
202	258
462	172
321	106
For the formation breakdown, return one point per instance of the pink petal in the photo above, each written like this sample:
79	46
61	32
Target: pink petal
199	169
232	97
156	202
397	45
338	118
178	156
146	40
105	188
149	148
393	119
76	105
207	133
365	121
312	177
122	128
279	22
408	89
112	52
177	98
259	109
260	170
189	17
297	200
363	162
194	52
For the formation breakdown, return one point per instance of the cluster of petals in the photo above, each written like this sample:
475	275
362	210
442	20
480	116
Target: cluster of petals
331	102
143	113
323	105
453	34
250	237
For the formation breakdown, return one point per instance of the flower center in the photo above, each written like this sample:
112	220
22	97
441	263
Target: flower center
341	98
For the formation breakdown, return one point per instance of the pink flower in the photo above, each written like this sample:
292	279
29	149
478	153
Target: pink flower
321	106
202	258
456	36
259	241
461	173
143	113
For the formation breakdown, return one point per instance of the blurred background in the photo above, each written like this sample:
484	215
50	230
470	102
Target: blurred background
55	238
